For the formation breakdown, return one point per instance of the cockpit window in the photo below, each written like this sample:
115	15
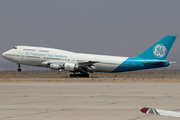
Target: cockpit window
14	47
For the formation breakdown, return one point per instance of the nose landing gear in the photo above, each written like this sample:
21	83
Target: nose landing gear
19	68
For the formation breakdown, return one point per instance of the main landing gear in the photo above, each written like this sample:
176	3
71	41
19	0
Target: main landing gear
19	68
79	75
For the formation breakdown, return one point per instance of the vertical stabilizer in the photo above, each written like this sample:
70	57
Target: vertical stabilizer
160	49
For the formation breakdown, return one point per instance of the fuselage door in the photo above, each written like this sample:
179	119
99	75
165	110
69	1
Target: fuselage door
22	57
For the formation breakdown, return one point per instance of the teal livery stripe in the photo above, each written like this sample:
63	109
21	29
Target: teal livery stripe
135	63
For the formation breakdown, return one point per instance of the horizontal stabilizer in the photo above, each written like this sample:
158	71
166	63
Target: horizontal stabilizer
160	112
154	63
172	62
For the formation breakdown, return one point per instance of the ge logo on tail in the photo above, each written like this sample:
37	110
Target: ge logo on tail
160	50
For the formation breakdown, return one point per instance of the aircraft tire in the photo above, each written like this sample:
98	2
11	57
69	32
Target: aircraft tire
79	75
71	75
87	75
19	69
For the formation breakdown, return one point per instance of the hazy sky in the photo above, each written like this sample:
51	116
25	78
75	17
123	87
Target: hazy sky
110	27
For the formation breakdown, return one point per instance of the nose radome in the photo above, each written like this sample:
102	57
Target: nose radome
3	54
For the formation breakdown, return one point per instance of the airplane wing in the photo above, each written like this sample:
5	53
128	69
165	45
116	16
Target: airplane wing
87	63
81	63
49	62
160	112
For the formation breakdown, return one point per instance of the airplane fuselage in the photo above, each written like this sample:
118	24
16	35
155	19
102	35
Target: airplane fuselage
41	56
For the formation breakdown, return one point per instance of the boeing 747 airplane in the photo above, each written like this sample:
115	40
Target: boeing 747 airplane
56	59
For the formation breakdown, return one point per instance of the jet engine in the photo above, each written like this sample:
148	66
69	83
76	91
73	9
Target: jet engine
67	67
70	66
56	66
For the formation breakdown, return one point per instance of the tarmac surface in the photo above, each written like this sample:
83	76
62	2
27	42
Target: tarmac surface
87	100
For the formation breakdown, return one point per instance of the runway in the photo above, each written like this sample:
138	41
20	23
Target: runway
86	100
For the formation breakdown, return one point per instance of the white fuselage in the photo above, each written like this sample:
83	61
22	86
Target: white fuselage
41	56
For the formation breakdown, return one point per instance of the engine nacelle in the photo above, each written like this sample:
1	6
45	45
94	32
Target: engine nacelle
70	66
56	66
67	67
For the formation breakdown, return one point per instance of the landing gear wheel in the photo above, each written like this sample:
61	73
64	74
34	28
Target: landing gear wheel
72	75
79	75
19	69
87	75
83	75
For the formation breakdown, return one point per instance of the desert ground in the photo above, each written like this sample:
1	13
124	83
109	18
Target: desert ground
87	100
53	76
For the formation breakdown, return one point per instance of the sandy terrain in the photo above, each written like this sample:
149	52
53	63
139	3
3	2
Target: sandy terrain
55	74
138	76
86	100
89	80
103	96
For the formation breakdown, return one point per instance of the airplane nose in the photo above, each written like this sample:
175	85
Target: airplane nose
3	54
6	55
